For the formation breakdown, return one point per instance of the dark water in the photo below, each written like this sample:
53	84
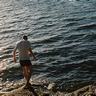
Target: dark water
63	38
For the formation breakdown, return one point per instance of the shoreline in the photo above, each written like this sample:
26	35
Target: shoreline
47	90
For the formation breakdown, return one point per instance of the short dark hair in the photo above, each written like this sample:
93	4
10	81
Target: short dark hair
25	37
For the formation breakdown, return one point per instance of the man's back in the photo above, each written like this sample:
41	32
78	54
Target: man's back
23	48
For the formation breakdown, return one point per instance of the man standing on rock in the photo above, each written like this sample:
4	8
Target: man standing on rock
25	52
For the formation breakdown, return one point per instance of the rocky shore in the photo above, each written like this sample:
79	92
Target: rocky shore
46	90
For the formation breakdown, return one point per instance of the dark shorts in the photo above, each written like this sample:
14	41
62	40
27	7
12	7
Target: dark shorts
25	62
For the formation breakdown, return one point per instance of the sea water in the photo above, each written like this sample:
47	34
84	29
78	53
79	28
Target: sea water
62	35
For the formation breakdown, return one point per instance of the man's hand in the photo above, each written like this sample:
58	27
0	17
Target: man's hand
15	60
34	58
32	54
14	55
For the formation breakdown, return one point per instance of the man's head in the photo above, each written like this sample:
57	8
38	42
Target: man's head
25	37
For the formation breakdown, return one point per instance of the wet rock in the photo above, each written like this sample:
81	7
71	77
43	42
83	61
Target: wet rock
17	89
52	87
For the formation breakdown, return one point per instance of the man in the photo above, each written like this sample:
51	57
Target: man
25	52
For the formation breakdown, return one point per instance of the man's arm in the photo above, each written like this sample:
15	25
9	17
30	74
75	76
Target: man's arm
32	54
14	55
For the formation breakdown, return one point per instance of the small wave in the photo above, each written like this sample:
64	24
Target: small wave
70	24
87	26
52	39
93	17
5	56
73	19
46	26
84	11
47	39
74	36
44	17
8	31
89	37
6	27
41	17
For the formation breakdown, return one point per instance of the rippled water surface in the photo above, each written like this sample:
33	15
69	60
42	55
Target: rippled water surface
63	38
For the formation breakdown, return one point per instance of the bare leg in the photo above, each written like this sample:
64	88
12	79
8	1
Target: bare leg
27	71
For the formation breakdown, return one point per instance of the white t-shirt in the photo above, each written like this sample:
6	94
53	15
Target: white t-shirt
23	48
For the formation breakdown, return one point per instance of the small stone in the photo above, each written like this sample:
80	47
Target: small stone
51	86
